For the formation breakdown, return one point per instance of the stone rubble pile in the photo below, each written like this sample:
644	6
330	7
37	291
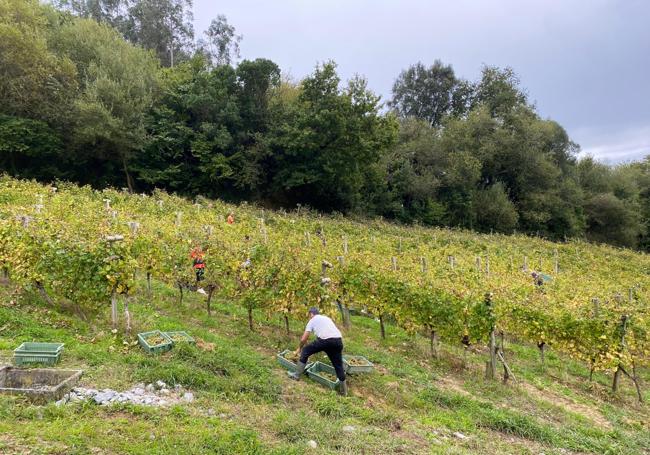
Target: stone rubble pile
156	394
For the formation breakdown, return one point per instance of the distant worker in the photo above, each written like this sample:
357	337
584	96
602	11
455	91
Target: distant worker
540	278
231	218
328	340
198	264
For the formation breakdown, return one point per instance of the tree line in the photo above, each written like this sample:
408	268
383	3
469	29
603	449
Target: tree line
122	93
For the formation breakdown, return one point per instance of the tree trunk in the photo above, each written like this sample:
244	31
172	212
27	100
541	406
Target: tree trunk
617	378
635	378
250	319
286	323
346	317
180	288
381	327
433	343
491	373
542	348
44	294
129	179
209	299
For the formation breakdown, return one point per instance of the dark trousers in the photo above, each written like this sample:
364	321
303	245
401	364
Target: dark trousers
333	347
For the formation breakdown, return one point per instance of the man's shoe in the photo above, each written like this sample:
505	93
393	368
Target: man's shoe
300	368
343	388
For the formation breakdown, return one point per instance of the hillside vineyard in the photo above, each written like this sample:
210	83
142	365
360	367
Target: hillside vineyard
88	247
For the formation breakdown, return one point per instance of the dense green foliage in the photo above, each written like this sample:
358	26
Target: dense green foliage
117	93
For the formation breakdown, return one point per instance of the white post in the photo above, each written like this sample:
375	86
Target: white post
179	216
107	203
345	245
393	261
423	264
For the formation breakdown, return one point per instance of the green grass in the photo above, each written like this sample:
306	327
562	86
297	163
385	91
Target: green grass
245	404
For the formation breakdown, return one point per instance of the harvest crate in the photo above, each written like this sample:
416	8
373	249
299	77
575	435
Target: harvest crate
145	340
45	353
288	364
361	364
316	373
180	337
38	384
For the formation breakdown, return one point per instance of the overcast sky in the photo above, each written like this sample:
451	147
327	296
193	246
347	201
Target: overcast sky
585	64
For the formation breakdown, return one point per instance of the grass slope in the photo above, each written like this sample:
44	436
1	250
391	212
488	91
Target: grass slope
245	404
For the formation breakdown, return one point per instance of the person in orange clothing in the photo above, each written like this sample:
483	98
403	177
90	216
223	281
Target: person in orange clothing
198	264
231	218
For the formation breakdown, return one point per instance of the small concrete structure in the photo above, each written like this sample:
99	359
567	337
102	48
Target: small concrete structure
38	384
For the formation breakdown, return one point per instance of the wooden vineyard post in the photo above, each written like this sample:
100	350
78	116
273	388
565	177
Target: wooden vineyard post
127	315
114	308
491	365
487	266
149	281
556	262
399	246
345	245
179	216
393	263
619	368
451	260
423	264
541	266
595	313
308	238
525	268
344	308
478	264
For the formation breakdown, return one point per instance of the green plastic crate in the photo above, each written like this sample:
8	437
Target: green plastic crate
154	348
185	337
368	366
315	371
43	353
288	364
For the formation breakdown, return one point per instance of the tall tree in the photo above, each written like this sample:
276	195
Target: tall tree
117	83
424	92
34	81
164	26
221	44
326	139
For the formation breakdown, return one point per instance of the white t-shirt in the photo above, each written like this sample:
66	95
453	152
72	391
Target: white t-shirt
323	327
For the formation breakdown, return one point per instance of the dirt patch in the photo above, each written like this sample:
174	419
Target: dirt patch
589	412
9	445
